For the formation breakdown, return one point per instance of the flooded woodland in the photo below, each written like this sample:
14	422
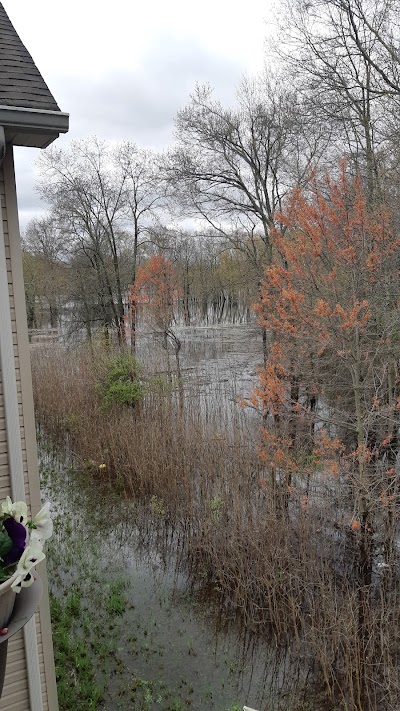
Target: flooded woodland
175	583
218	404
260	460
155	630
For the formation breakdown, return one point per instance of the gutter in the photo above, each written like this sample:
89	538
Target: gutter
34	119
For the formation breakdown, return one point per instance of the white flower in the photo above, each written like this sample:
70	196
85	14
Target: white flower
17	510
7	506
43	525
25	582
31	556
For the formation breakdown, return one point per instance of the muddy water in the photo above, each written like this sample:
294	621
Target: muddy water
173	650
233	351
219	363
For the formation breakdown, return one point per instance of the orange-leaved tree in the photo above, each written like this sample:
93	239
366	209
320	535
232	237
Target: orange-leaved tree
156	292
330	386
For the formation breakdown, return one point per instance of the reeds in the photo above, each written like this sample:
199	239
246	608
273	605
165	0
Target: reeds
285	572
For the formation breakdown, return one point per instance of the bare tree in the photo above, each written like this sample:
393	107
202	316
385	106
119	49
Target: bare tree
344	55
45	268
144	198
87	195
232	168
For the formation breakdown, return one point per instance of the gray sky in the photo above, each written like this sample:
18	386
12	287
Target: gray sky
123	69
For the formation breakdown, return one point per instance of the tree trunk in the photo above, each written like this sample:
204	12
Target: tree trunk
133	304
53	314
365	542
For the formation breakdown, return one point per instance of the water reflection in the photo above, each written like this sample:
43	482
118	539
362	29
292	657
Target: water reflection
173	637
179	647
217	354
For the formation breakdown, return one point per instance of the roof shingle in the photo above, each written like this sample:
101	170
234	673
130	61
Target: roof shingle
21	84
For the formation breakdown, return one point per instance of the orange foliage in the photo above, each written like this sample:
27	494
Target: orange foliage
276	452
322	300
355	525
154	280
155	287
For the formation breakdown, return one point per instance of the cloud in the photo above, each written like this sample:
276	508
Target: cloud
29	202
140	103
123	74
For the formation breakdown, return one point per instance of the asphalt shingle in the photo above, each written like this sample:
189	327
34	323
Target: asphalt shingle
21	83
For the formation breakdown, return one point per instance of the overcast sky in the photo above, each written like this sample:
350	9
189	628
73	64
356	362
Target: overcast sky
122	69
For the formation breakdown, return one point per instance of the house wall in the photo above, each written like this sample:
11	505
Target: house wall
23	687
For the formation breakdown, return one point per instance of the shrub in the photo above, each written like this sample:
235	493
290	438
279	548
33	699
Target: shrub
120	382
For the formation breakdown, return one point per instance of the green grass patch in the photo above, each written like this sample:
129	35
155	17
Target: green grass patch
116	602
75	670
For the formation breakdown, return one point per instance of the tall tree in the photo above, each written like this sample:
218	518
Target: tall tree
332	306
232	167
45	267
144	199
86	192
344	55
155	289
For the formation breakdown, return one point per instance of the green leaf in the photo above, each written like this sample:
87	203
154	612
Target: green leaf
5	544
5	575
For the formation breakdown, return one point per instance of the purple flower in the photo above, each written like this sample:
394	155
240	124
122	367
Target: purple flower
17	533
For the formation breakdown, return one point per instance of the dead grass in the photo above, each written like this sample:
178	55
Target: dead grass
285	572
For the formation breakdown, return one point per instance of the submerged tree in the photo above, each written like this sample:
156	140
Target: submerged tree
45	269
233	167
155	290
144	198
86	196
103	199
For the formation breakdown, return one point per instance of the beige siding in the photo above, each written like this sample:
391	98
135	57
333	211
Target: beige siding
16	692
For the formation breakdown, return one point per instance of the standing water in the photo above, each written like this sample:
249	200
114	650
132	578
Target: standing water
155	643
131	630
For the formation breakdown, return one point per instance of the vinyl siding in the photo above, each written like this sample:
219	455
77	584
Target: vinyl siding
16	691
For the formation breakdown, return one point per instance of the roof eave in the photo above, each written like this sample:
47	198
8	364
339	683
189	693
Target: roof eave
32	127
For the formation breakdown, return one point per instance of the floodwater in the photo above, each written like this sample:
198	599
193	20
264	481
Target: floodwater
174	650
234	348
218	363
171	643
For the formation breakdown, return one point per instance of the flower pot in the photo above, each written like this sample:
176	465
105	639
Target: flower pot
7	600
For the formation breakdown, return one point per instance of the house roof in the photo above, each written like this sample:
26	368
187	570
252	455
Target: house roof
21	83
26	103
